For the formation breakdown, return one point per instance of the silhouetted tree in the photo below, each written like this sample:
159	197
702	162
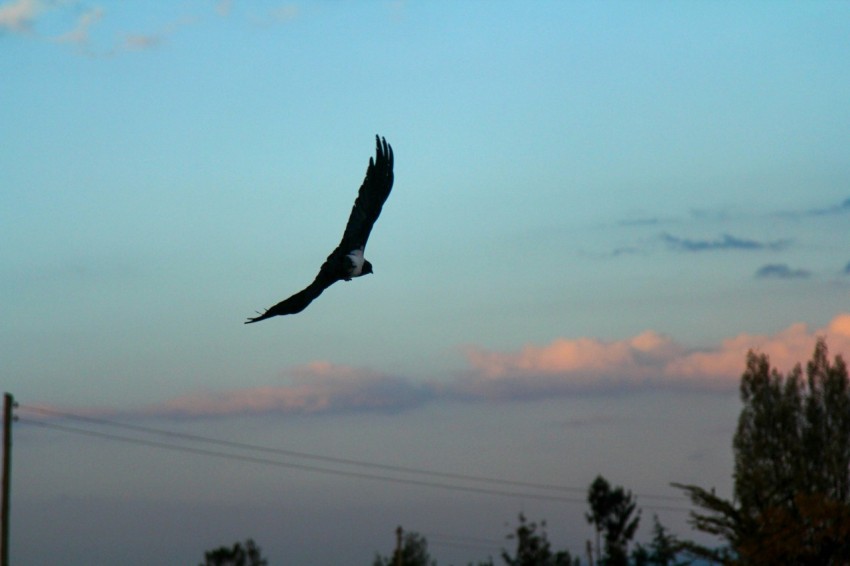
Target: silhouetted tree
238	555
612	512
662	551
414	552
533	547
792	469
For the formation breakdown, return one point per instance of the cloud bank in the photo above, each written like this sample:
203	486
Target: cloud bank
568	366
647	362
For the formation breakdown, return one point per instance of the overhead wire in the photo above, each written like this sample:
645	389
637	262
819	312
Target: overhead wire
188	437
298	454
296	466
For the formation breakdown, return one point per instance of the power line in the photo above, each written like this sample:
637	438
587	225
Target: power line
291	465
304	455
315	457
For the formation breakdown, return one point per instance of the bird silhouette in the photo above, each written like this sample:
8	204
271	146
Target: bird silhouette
347	260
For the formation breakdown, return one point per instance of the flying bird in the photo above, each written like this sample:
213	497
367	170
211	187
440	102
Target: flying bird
347	260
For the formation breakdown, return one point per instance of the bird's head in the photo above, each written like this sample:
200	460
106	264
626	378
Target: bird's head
367	268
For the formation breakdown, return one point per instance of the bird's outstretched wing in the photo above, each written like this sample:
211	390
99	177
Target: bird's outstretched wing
299	301
373	193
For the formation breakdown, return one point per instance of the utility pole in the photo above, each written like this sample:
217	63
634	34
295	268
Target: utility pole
8	404
399	561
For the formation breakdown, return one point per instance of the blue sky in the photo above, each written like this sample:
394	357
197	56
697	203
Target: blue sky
598	209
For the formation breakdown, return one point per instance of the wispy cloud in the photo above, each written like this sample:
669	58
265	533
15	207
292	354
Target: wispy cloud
136	42
80	34
725	242
142	41
781	271
565	367
830	210
625	250
18	15
842	208
22	16
726	214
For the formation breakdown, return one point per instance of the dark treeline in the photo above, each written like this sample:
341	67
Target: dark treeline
614	515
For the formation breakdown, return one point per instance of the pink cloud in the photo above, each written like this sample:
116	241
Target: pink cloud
566	366
588	356
648	360
319	387
790	346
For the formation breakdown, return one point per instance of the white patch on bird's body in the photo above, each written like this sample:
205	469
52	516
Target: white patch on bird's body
357	261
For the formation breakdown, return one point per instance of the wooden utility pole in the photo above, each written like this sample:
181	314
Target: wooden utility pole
8	404
399	561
